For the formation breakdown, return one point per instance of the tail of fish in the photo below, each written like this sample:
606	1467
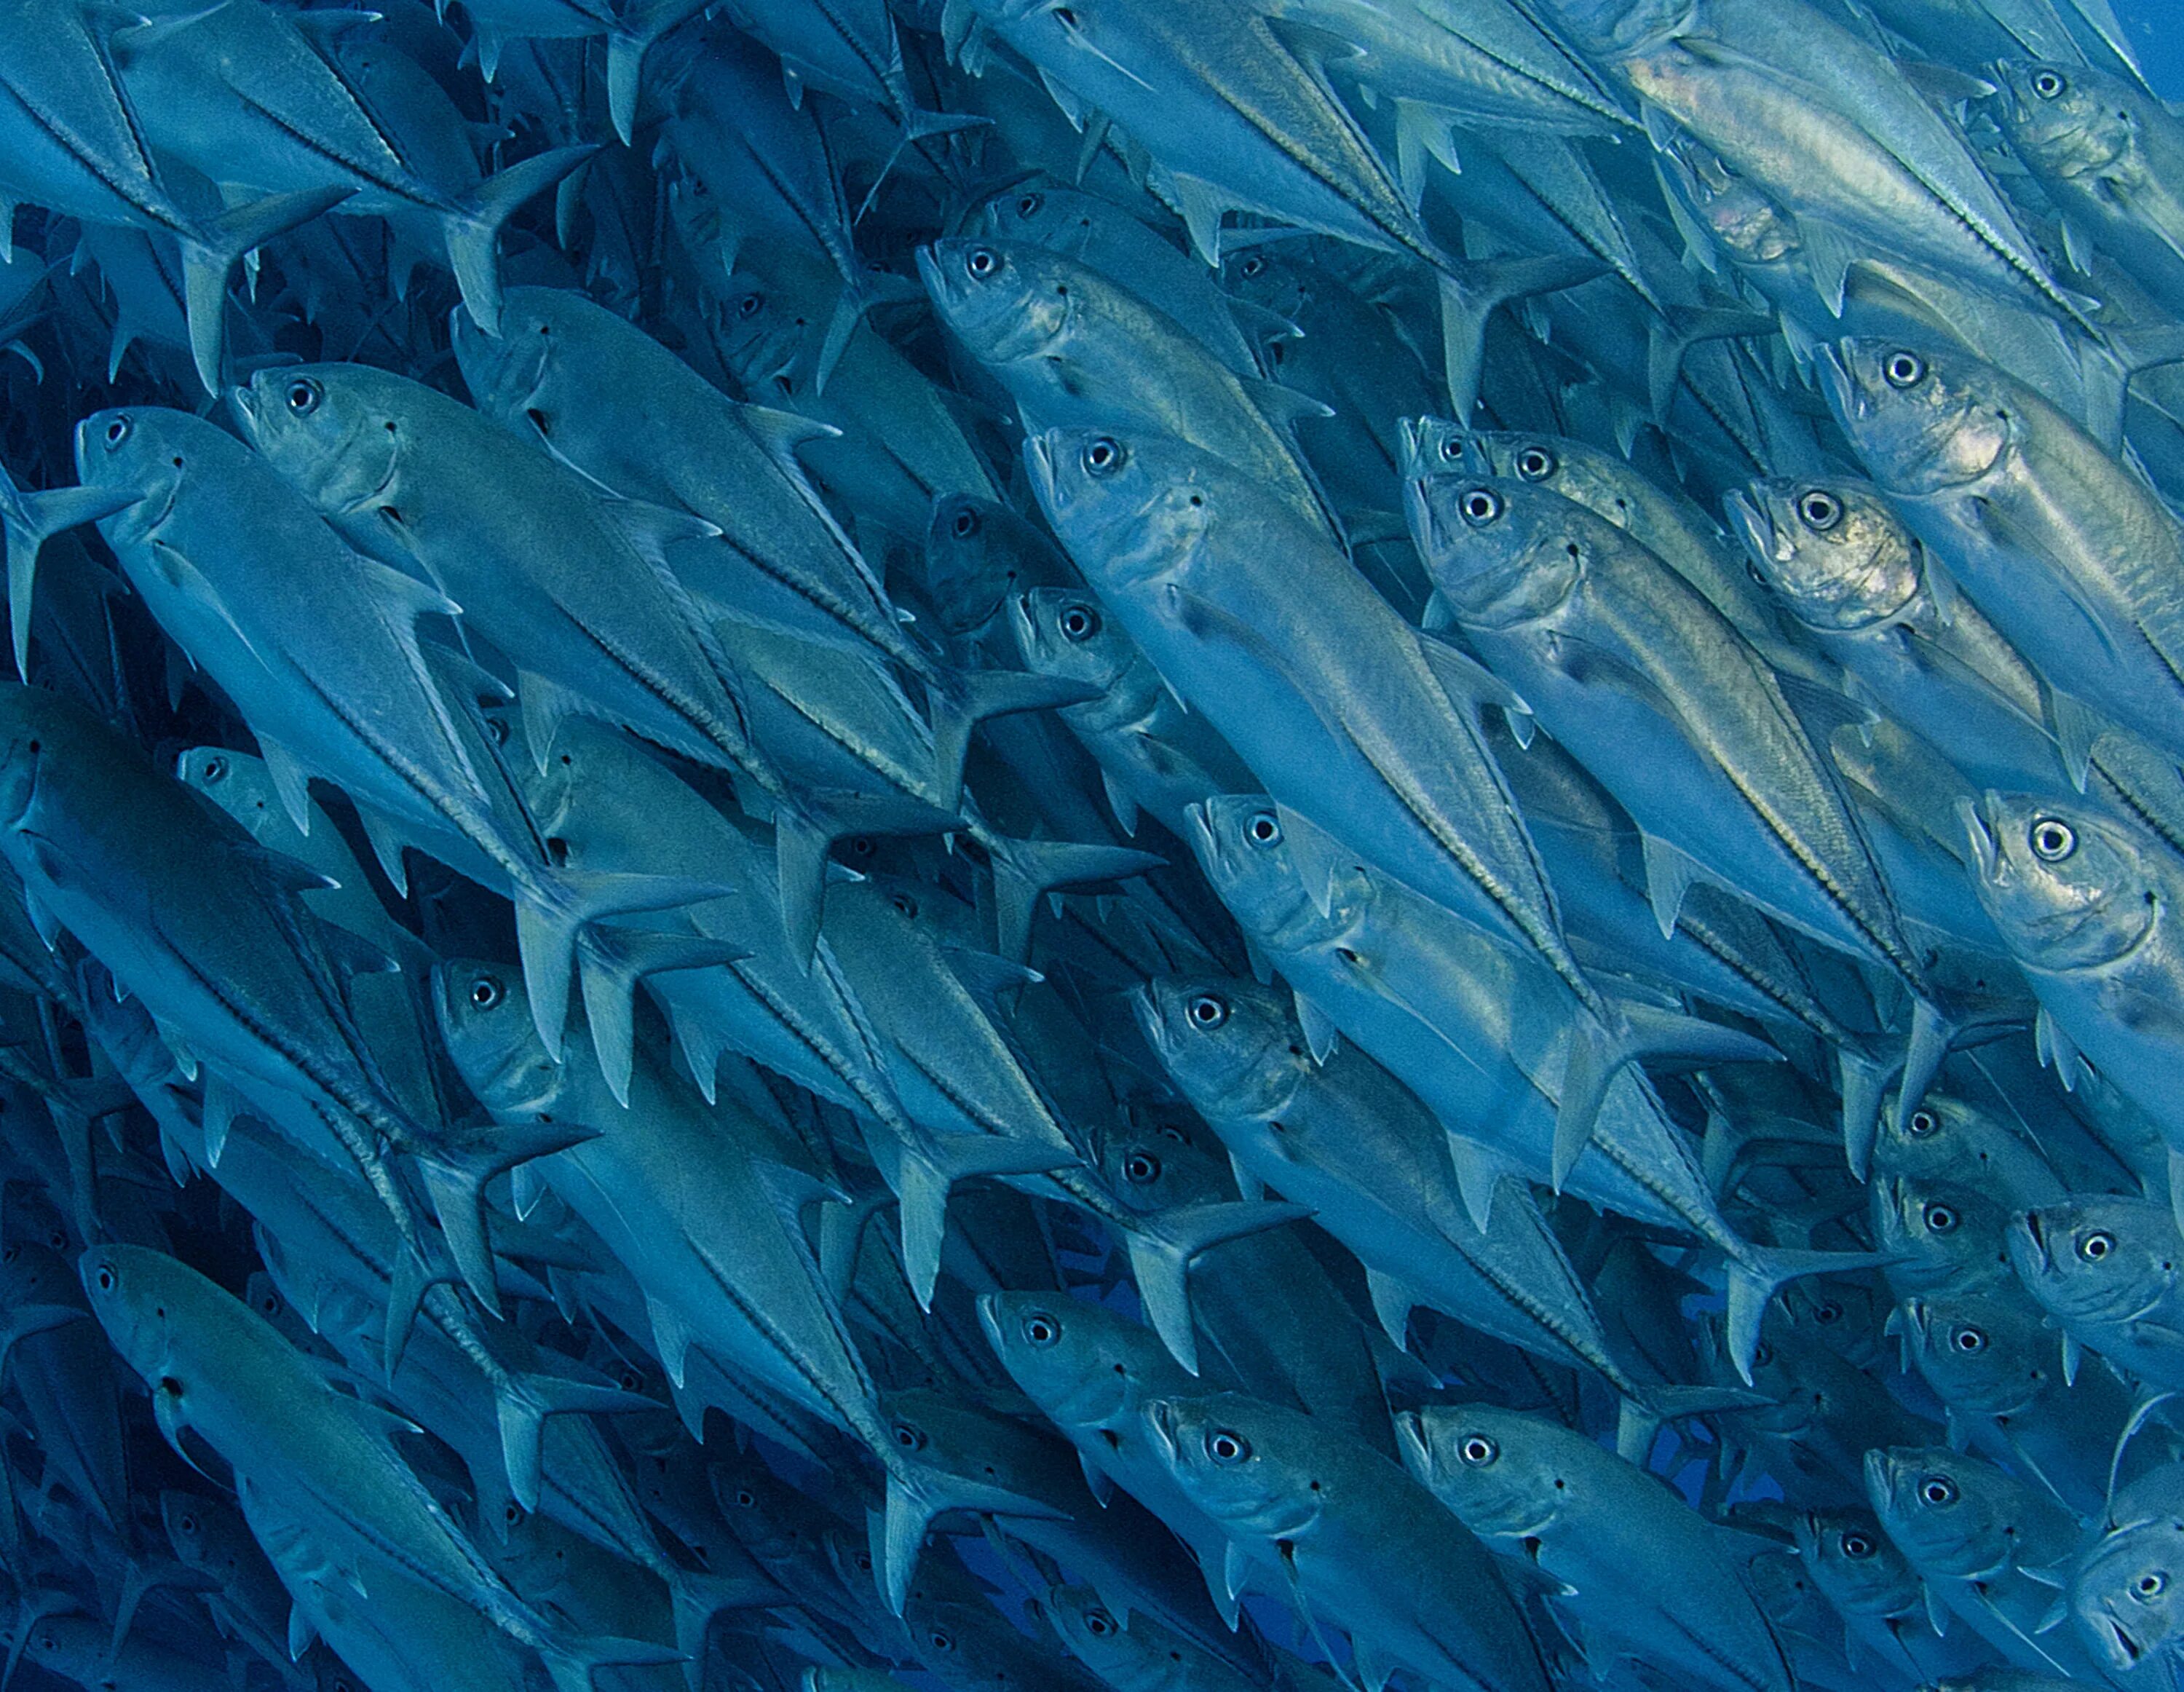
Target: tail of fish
1757	1273
211	252
473	226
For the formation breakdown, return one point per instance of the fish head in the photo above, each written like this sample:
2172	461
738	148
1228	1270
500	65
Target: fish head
1748	223
1832	549
1043	213
979	553
2063	120
1241	1462
37	729
1267	276
506	373
1936	1226
1132	506
336	432
1947	1138
1839	1312
1925	419
484	1014
1488	1466
761	329
1003	300
1063	632
2069	888
1232	1046
2124	1595
1854	1563
1937	1505
1094	1634
188	1519
1501	551
1434	446
1980	1351
235	781
143	450
1085	1366
1242	843
1152	1163
143	1298
32	1273
2096	1258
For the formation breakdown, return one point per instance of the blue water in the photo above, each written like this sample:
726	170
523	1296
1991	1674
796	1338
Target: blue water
2156	28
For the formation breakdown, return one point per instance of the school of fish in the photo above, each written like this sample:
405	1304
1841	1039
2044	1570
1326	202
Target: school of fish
1091	846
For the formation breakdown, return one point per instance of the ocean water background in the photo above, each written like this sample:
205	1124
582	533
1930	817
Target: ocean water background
2156	28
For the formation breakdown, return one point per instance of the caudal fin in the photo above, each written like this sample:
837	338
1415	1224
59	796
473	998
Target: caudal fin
211	252
473	228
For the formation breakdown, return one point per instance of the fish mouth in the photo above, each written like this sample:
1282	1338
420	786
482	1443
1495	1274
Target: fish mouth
1749	519
1144	1007
1039	460
1415	1448
2126	1650
1161	1418
2036	1232
1979	834
243	401
1830	364
1198	829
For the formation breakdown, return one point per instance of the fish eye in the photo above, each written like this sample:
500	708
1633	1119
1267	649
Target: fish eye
2047	84
941	1641
1227	1447
1827	1313
1821	509
861	845
1030	205
485	992
1478	1450
746	1498
905	903
1099	1623
2051	839
1080	623
1208	1011
271	1304
1451	449
1762	1355
2150	1584
1264	829
1903	368
1481	505
982	262
1535	464
117	431
511	1513
1858	1546
1103	456
1141	1167
909	1437
303	396
2095	1245
1938	1490
1971	1341
1251	266
187	1524
750	305
1040	1330
10	1254
1939	1218
1923	1123
496	731
215	768
630	1381
968	523
103	1275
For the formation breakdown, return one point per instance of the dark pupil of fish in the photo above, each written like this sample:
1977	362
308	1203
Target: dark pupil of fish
1939	1492
1903	369
1224	1447
967	525
1478	1448
1763	1354
982	262
2047	84
1941	1218
2096	1246
1265	831
1209	1012
1096	1622
905	903
1102	456
1827	1313
1535	464
1141	1166
1029	205
303	397
751	305
1820	510
1922	1123
1041	1330
2052	840
2150	1585
117	431
1856	1547
1481	506
1079	623
1971	1340
485	993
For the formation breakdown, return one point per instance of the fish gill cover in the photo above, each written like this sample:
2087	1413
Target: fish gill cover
1176	845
